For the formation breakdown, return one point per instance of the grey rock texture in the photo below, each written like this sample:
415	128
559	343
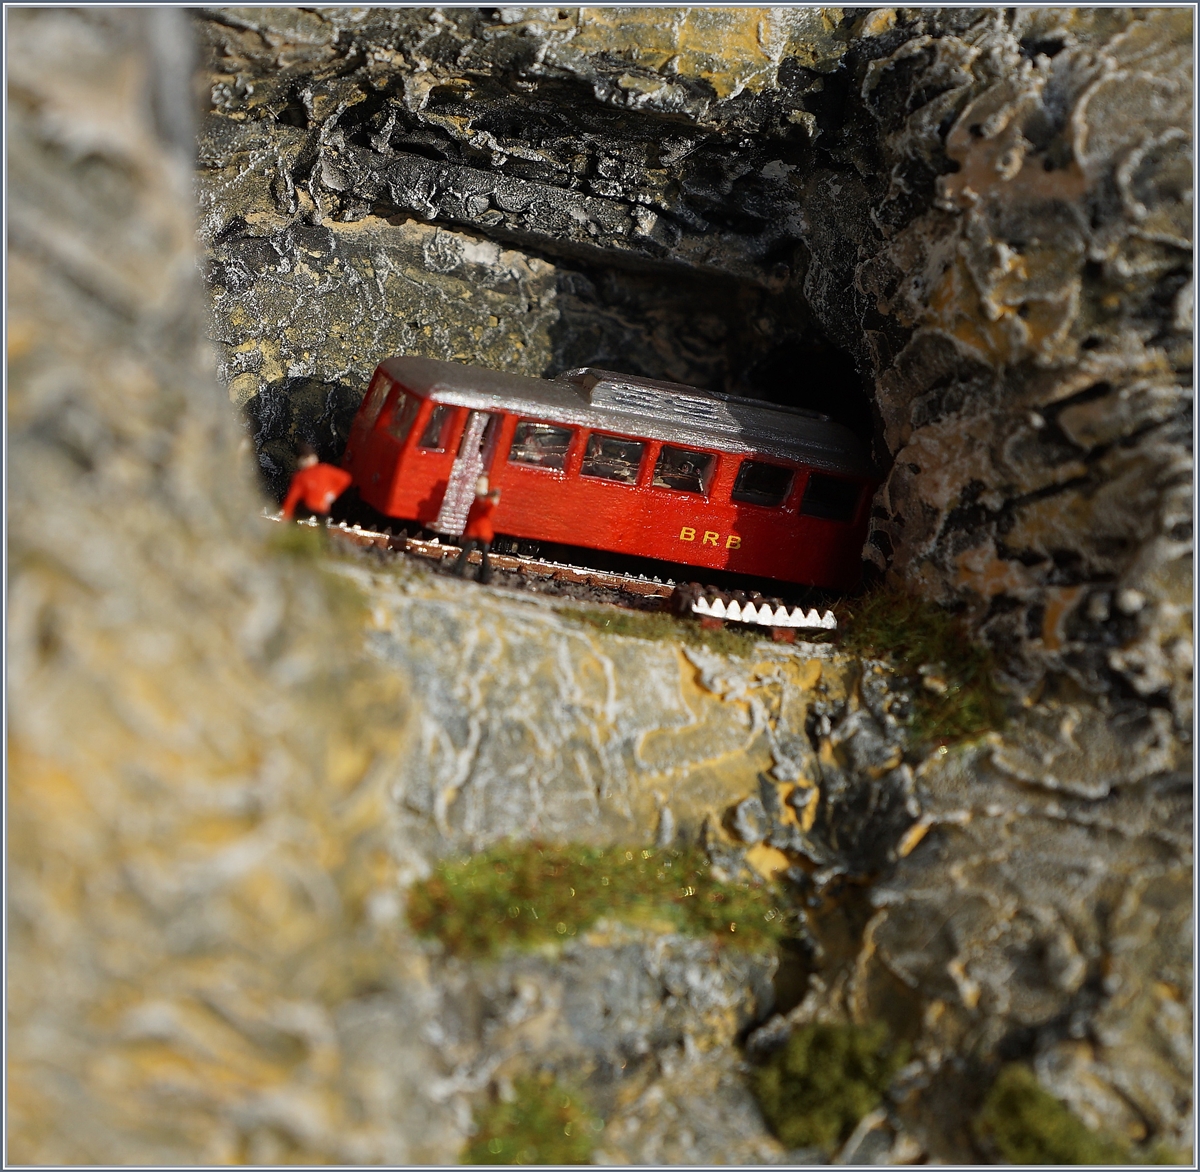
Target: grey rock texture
1019	924
534	726
644	1025
1026	897
464	184
516	122
988	213
197	833
1049	926
1026	317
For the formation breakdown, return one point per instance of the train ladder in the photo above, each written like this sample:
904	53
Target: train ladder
460	488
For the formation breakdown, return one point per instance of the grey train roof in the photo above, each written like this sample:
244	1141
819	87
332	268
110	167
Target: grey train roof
636	406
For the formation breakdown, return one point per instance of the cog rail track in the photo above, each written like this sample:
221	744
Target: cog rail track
536	568
714	608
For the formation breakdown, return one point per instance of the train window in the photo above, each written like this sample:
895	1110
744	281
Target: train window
540	444
375	396
611	458
762	484
830	497
434	435
684	470
404	411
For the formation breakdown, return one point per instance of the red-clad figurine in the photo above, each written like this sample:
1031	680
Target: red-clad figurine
479	532
315	485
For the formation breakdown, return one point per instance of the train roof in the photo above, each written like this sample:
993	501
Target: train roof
635	406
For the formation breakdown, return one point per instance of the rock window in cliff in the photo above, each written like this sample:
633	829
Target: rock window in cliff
404	411
762	484
683	470
434	435
610	458
830	497
540	444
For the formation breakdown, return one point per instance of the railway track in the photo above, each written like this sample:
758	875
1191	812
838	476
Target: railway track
532	568
714	608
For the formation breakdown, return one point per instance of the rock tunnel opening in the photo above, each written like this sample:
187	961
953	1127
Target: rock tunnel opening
863	219
529	224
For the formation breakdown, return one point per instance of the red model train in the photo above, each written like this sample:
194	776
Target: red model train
613	462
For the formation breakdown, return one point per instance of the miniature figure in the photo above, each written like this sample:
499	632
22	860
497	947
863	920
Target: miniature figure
479	532
617	463
315	486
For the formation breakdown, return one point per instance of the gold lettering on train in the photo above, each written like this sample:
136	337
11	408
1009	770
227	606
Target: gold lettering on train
710	537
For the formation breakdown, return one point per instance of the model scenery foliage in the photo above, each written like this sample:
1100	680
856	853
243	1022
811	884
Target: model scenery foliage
530	895
815	1088
1025	1124
543	1123
954	687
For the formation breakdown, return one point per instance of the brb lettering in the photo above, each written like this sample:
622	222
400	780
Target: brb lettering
710	538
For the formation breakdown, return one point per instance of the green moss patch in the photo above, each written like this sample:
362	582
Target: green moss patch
659	625
546	1123
815	1089
1164	1153
957	697
528	895
305	542
1025	1124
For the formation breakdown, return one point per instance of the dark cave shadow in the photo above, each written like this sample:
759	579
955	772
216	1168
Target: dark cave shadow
608	318
291	411
816	375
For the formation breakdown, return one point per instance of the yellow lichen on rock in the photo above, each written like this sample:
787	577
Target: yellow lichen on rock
768	861
733	49
537	724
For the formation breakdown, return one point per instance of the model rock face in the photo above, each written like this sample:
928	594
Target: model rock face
962	234
975	211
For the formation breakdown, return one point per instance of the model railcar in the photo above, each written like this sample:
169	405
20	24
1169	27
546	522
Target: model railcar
617	463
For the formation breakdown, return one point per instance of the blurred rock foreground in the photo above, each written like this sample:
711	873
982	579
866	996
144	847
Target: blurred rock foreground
227	761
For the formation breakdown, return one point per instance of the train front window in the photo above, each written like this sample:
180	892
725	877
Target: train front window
684	470
434	435
610	458
373	402
404	411
540	445
830	497
762	484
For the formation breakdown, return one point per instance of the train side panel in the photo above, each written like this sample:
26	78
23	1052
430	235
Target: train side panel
643	520
560	505
402	449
